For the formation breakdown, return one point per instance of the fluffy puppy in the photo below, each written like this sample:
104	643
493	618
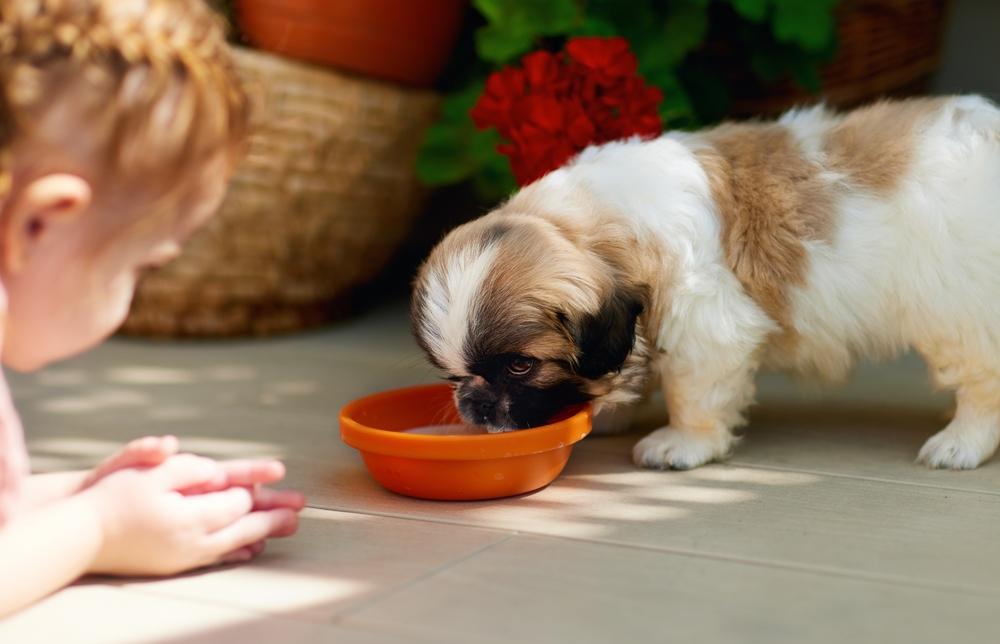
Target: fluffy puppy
695	259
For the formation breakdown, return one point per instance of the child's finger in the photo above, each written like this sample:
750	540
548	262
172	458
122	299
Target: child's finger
217	484
148	451
149	448
240	555
216	510
244	473
254	527
253	472
265	498
246	553
253	549
143	452
165	445
186	471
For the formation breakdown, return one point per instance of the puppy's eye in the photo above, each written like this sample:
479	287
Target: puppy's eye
520	366
454	378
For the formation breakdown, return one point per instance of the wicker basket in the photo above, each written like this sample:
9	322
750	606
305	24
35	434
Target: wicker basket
885	48
324	196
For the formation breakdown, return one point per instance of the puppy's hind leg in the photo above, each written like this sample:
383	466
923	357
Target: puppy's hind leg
974	433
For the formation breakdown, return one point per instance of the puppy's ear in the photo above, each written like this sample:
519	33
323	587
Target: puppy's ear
605	339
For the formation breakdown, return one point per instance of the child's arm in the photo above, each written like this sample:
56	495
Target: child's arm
38	557
41	489
134	522
13	456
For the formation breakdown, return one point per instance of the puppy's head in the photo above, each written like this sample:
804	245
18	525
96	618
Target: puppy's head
523	319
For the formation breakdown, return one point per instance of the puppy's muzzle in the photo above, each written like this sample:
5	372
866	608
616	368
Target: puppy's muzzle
481	406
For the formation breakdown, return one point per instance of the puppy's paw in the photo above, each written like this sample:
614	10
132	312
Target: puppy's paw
675	449
958	448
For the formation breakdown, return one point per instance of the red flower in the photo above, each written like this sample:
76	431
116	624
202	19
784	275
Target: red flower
494	106
542	68
554	106
609	59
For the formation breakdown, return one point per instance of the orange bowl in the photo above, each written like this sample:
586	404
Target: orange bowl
458	467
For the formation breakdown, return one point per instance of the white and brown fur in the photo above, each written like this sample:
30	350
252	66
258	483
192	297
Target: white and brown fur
696	259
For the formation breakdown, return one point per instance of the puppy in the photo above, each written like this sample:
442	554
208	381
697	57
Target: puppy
695	259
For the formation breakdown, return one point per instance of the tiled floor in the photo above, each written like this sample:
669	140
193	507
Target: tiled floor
821	528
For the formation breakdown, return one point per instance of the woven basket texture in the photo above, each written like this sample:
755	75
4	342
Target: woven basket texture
322	199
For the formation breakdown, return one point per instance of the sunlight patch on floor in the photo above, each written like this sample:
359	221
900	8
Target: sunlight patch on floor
231	448
56	377
150	375
95	401
263	586
748	475
536	519
89	447
73	451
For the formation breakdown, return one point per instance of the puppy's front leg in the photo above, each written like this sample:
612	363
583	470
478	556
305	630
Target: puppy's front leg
705	404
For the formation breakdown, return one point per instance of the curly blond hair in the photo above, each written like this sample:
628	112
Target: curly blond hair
149	83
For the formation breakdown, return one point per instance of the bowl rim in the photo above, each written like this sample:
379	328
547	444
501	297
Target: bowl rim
523	442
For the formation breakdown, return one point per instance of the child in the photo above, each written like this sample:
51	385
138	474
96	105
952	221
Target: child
120	121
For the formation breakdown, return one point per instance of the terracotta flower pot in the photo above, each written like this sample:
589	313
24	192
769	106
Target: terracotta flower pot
407	41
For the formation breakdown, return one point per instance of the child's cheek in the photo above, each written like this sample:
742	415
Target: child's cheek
116	308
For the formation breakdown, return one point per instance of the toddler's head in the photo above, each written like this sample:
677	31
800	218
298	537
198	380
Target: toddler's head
120	121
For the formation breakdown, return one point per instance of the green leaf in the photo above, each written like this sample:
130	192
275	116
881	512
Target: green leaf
768	65
594	26
456	105
552	16
499	45
754	10
452	147
809	24
454	150
441	161
709	94
547	14
494	180
676	109
513	26
483	146
492	10
676	112
804	73
685	29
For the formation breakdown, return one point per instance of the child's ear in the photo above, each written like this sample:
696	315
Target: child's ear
30	213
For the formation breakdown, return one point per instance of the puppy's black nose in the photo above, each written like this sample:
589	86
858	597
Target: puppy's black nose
486	407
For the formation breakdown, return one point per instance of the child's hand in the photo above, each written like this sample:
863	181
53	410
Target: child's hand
152	450
141	453
150	528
